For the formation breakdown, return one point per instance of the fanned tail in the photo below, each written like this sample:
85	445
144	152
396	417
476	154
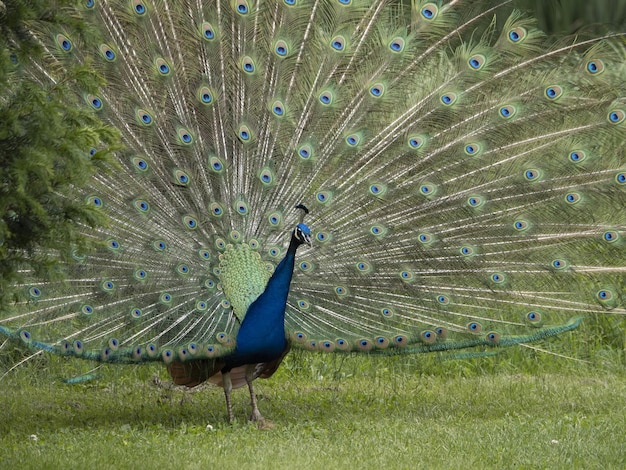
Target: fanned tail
466	183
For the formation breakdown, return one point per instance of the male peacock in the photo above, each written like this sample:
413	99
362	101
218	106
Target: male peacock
465	180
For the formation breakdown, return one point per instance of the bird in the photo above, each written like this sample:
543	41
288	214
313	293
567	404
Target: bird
340	176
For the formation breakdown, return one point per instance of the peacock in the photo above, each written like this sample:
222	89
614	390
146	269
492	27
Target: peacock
345	176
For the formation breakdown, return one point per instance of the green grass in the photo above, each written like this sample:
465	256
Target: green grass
520	410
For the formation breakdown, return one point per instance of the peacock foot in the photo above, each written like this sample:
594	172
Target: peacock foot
256	416
265	424
262	423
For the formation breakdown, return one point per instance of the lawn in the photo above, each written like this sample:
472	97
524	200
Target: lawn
520	411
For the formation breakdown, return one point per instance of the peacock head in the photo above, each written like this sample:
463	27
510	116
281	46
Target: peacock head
302	234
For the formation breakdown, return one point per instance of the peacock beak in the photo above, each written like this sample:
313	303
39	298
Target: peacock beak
307	240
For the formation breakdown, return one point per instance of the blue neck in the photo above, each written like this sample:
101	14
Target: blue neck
261	337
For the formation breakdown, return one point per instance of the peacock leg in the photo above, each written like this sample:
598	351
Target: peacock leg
228	387
256	414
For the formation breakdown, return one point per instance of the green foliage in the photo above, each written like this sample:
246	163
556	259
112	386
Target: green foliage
571	16
45	143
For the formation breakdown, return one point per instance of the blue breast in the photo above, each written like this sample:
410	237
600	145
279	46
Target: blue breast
261	337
